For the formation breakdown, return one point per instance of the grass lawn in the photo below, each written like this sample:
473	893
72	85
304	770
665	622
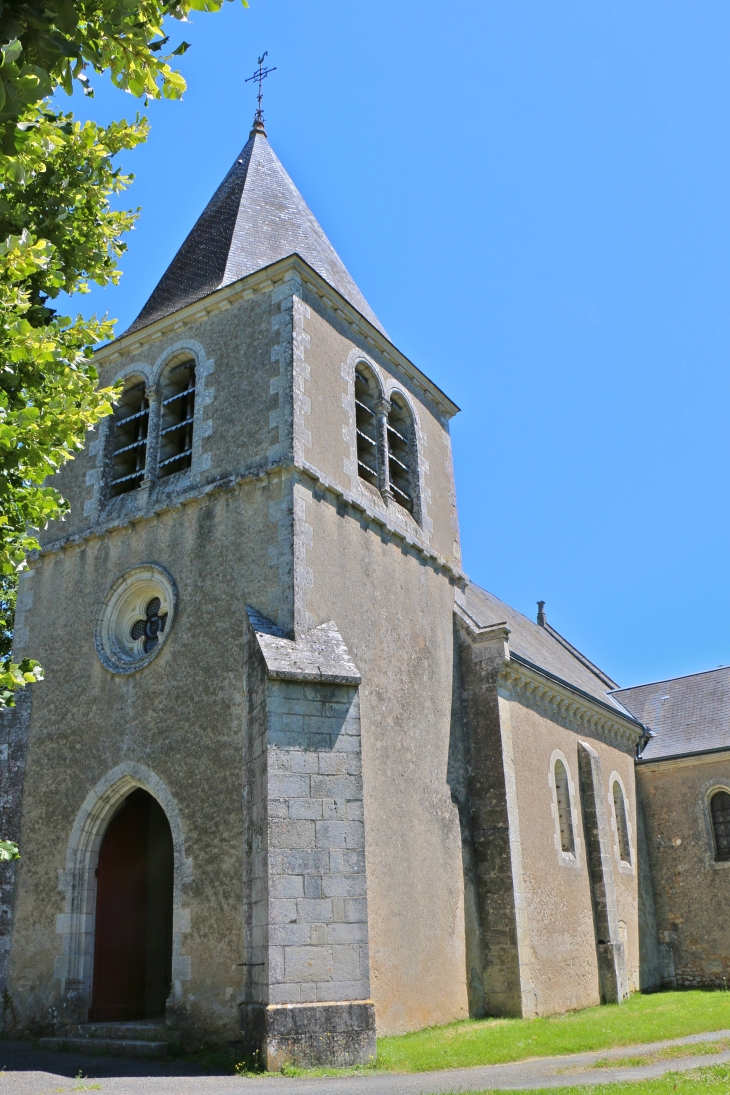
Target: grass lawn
651	1018
713	1080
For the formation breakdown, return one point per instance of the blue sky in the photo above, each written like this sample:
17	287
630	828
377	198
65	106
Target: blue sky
534	197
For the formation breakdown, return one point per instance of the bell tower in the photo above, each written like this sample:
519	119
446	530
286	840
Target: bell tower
248	616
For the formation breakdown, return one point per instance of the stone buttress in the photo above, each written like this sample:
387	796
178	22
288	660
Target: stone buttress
306	963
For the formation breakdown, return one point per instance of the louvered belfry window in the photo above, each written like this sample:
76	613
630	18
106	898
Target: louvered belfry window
176	426
129	442
565	815
400	426
720	811
366	393
622	827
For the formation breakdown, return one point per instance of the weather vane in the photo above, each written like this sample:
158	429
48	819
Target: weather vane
260	75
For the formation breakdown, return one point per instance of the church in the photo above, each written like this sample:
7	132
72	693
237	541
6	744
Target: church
291	778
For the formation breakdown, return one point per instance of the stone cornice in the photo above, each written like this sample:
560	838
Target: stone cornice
562	702
263	281
522	681
306	474
383	520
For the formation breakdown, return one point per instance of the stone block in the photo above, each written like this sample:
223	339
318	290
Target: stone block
301	809
318	724
339	834
352	862
343	990
285	993
313	911
293	834
334	809
333	764
299	861
288	785
337	860
306	964
313	886
276	965
301	761
292	690
338	910
287	885
283	912
319	935
356	910
344	885
334	787
289	935
365	962
347	933
346	962
347	744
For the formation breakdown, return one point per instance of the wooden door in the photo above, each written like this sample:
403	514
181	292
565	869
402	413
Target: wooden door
121	915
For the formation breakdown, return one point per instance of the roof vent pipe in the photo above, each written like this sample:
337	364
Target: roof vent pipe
541	618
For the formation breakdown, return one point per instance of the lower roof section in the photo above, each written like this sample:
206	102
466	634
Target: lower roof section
688	715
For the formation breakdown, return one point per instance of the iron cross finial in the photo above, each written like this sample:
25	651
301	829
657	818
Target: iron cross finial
260	75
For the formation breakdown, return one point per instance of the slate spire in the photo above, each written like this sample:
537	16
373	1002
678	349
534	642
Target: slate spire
256	217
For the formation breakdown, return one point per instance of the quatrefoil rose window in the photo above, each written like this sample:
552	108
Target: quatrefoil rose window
147	632
134	619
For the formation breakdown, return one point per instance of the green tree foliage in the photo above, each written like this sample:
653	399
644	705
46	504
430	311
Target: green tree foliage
59	233
8	850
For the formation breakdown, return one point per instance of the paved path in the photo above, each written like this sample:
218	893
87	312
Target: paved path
28	1071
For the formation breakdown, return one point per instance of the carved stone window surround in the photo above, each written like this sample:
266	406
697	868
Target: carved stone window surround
628	868
565	859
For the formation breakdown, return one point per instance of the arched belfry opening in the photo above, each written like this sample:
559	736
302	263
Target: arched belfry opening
133	923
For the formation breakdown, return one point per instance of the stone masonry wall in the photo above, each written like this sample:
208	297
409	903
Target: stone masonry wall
318	905
255	839
14	723
305	918
691	889
496	987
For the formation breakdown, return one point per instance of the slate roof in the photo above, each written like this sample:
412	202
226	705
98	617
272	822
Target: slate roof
687	714
255	218
542	646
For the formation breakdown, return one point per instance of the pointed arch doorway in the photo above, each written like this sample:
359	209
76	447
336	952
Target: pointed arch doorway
133	924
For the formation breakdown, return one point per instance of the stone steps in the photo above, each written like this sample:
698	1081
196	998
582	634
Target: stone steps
141	1039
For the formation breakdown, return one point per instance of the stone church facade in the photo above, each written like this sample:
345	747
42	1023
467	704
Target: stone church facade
291	776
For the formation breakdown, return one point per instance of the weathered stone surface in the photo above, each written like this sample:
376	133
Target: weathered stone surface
312	1034
14	723
609	946
318	655
691	888
530	931
364	806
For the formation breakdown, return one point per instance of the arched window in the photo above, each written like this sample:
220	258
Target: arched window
622	826
720	813
176	424
129	439
565	815
400	429
366	394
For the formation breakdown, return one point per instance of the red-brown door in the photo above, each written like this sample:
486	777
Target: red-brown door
133	913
